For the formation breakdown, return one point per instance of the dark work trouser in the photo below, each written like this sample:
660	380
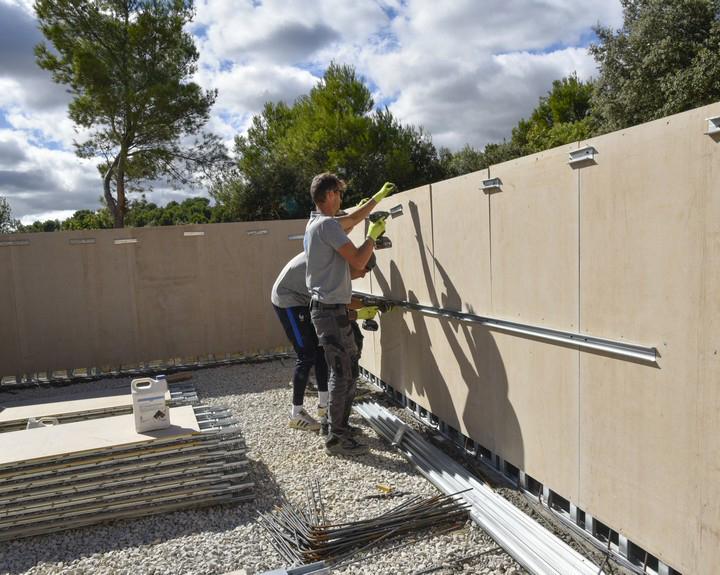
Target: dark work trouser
336	337
300	331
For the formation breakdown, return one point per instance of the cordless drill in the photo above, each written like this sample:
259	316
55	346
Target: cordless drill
383	241
383	307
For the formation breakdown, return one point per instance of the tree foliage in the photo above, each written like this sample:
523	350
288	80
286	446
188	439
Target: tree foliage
8	224
127	65
561	117
140	213
664	60
333	128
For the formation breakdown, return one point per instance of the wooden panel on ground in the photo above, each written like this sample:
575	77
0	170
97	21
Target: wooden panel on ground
648	207
54	441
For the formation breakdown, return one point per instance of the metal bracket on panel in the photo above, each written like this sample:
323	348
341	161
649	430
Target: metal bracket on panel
584	154
491	185
257	232
296	237
713	127
125	241
190	234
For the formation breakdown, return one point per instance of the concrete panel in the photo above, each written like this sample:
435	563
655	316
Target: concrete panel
648	207
534	254
406	272
536	420
86	301
55	324
709	370
534	230
9	345
170	308
111	270
461	244
275	251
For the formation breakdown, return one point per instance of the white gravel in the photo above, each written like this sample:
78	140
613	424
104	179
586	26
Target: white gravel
221	539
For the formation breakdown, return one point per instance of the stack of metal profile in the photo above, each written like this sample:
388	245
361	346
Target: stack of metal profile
529	543
81	406
85	472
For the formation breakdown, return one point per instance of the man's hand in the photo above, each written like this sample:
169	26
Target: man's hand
384	191
368	312
376	229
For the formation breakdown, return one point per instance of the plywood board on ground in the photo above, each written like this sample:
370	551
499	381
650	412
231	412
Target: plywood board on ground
67	404
55	441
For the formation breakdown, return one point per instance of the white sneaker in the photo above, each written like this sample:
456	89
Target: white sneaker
304	422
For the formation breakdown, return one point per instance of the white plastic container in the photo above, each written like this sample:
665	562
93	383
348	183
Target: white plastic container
149	407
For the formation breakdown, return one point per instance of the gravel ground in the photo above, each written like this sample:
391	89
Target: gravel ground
225	538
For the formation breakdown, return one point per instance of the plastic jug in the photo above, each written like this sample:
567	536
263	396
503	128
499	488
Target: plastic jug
149	407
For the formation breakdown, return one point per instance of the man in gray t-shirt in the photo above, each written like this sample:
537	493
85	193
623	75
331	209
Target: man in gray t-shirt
329	254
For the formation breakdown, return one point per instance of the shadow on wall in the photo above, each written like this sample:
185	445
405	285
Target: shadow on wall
453	368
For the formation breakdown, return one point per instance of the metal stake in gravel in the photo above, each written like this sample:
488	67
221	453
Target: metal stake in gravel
301	539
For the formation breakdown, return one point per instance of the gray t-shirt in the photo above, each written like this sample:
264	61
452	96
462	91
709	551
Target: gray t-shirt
328	274
290	289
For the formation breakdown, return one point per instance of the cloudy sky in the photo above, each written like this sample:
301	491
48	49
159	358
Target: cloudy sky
465	70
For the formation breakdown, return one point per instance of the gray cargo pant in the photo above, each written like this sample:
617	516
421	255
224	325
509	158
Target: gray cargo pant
335	334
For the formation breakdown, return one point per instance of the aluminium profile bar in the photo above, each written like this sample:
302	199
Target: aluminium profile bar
536	549
619	348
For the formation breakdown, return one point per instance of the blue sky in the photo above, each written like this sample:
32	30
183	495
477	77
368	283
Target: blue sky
465	70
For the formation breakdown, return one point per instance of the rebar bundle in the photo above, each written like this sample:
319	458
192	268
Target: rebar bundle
303	537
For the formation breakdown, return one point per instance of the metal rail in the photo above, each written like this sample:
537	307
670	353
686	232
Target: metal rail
530	544
620	348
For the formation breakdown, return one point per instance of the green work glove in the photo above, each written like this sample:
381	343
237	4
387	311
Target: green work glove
367	312
384	191
362	202
376	229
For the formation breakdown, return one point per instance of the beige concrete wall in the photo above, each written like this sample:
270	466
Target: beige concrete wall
625	247
68	305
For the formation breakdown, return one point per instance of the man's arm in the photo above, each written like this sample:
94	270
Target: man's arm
357	257
350	220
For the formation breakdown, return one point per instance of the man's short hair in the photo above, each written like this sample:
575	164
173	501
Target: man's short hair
324	183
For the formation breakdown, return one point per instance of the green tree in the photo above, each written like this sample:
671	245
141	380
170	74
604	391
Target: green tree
664	60
127	65
561	117
333	128
38	226
88	220
8	224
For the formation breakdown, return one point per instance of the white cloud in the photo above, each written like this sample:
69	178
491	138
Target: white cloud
465	70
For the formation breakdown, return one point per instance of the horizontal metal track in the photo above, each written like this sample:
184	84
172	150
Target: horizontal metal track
611	346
